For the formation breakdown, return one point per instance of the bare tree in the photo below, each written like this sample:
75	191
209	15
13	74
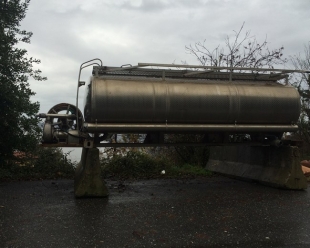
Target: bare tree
302	82
239	51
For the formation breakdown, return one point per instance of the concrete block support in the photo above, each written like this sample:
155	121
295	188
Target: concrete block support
88	181
275	166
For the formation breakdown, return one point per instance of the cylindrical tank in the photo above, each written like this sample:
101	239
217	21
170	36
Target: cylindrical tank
183	102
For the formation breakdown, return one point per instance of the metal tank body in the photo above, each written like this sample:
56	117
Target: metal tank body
155	101
221	104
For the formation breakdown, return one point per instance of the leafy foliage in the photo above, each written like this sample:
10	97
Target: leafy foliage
132	164
111	152
42	163
197	155
53	163
18	127
138	164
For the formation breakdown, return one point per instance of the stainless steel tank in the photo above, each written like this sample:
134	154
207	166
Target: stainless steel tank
159	101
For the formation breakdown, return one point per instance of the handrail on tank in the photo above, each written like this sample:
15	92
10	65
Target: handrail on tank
83	65
221	67
230	69
207	69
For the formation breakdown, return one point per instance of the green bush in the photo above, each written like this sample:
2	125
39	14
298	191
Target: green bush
180	154
131	165
138	164
53	163
43	163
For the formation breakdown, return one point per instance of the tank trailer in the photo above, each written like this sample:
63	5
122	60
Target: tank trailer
225	105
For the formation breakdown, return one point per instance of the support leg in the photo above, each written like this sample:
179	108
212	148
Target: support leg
88	181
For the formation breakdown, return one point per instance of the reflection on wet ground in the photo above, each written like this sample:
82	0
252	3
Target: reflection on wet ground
213	212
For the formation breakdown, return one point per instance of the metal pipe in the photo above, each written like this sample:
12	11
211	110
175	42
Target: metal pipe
152	144
143	128
56	116
221	67
83	65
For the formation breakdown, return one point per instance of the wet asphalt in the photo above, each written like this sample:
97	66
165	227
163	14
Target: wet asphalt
204	212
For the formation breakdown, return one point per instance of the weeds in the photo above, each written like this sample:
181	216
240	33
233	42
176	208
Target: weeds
137	164
52	163
45	163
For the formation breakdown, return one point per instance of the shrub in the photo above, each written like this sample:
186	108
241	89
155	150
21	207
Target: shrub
138	164
43	163
132	165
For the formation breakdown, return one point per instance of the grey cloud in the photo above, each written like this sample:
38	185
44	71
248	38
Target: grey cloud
160	5
68	33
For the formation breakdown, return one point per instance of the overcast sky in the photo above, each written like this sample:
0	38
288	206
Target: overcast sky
68	33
